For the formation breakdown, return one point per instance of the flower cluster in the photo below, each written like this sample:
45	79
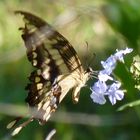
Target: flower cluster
100	89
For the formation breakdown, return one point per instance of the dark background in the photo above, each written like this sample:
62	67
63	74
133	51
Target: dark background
106	25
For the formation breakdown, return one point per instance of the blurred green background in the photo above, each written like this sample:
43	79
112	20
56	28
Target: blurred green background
106	25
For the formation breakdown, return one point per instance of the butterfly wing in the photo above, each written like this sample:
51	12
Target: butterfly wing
40	36
54	60
52	55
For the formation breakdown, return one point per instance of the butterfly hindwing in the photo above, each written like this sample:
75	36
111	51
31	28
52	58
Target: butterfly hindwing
57	69
49	52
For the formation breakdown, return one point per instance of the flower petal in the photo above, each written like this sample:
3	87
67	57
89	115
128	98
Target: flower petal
114	87
112	99
103	76
115	94
99	87
98	98
120	53
109	63
119	94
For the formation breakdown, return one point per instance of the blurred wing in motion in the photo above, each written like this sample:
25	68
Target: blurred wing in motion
57	69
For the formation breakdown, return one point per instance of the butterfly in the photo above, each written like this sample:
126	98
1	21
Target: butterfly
57	69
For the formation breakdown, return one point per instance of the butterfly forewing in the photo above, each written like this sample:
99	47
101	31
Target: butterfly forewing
42	33
50	52
57	68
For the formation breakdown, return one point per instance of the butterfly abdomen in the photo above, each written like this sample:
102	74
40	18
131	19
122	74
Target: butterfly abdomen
57	69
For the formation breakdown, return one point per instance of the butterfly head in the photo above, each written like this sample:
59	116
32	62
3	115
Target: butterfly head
89	70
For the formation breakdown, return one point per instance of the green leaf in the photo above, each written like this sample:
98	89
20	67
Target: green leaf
131	104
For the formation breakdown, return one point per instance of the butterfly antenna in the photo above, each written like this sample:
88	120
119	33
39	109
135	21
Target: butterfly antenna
91	58
87	52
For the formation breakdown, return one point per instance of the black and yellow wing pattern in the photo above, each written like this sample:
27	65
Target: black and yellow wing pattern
57	68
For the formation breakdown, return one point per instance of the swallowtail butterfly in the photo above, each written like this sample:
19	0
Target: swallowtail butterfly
57	69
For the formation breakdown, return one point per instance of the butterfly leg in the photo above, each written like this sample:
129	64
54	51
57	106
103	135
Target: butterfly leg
76	94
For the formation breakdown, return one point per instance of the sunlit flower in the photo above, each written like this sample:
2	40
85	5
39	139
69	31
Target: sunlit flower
98	98
114	93
103	76
119	54
109	65
100	89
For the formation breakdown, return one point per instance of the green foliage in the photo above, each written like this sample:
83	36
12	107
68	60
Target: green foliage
135	70
132	104
106	25
124	17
